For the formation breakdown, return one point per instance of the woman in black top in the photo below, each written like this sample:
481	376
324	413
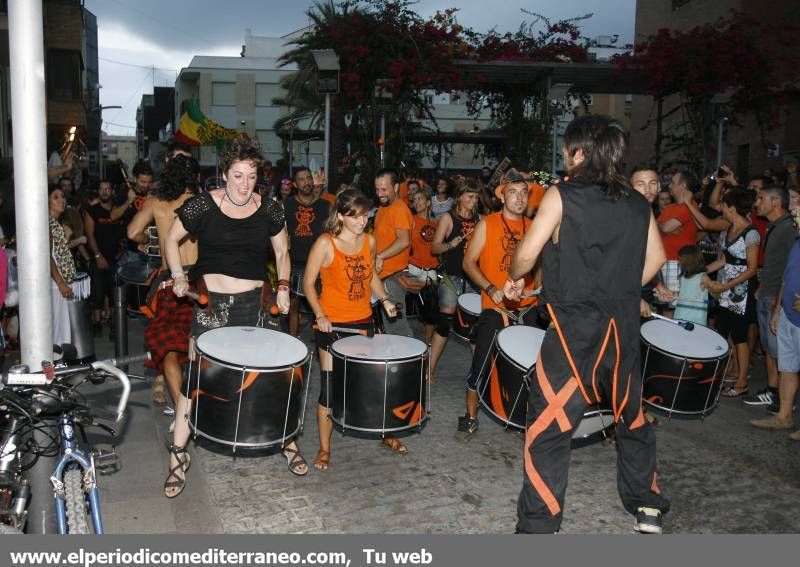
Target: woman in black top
452	234
234	227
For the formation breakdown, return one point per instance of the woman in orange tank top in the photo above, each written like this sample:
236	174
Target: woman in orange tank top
343	257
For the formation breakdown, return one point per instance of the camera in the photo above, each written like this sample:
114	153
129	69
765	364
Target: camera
721	172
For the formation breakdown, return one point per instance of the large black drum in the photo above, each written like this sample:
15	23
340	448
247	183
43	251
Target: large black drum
248	387
467	313
682	371
379	384
504	393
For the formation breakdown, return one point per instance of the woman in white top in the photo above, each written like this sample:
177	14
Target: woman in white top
442	202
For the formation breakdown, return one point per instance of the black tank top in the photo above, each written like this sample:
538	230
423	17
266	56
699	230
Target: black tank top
453	259
602	243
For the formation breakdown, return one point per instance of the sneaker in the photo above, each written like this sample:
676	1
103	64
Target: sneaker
775	407
763	397
795	436
467	424
647	520
168	410
772	422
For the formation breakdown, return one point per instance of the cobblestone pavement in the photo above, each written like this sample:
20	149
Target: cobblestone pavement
722	476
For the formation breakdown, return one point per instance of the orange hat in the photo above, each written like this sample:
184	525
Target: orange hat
532	187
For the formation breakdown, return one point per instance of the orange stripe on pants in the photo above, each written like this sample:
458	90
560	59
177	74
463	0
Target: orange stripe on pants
553	412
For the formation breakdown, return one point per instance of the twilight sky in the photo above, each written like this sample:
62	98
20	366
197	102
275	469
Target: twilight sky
143	43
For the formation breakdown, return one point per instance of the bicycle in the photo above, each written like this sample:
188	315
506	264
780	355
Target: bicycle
48	403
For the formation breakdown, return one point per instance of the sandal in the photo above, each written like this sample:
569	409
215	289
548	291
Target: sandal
322	460
159	391
295	461
734	392
184	462
395	445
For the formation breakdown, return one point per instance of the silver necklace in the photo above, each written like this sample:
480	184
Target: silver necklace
234	203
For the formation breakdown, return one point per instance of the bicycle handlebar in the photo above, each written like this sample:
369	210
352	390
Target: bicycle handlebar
123	378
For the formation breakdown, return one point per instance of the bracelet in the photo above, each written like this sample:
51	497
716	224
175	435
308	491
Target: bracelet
283	288
283	283
176	275
323	316
385	299
97	255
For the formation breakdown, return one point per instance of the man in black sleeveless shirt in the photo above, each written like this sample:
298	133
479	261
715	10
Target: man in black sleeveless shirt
599	245
305	217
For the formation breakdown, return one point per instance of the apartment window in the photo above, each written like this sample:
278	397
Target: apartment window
628	101
63	74
223	94
266	93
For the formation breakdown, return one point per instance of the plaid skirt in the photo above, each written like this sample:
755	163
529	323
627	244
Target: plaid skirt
169	331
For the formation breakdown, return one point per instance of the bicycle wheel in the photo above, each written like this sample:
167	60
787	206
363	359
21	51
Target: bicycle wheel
75	502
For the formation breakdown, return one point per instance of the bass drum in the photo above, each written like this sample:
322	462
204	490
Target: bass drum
682	371
248	387
379	384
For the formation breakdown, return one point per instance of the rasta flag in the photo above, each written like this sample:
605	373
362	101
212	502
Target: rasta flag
196	129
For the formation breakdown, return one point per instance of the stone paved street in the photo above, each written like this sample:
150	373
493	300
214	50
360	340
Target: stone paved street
723	476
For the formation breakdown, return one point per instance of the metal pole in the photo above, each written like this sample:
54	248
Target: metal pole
100	164
30	180
26	51
120	321
326	156
555	141
720	144
383	139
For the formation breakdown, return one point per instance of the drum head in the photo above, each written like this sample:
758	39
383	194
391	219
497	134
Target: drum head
470	302
252	347
521	344
379	347
701	342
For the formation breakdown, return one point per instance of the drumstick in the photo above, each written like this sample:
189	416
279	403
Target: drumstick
200	298
350	330
688	325
531	293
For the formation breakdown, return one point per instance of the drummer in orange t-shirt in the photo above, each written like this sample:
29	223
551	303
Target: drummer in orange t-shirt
393	224
486	261
422	263
344	259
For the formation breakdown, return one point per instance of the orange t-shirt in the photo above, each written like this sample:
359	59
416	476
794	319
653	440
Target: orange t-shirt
535	194
345	285
421	238
502	237
388	220
685	235
760	224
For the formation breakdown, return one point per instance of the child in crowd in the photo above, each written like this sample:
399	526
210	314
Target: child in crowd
692	302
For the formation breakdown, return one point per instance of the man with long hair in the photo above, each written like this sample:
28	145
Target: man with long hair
599	244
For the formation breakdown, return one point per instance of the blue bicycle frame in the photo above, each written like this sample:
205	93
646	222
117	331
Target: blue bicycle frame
73	457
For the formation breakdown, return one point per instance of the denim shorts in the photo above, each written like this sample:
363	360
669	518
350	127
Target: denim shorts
448	297
788	345
769	342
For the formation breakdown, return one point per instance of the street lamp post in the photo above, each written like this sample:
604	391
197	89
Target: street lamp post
100	166
327	63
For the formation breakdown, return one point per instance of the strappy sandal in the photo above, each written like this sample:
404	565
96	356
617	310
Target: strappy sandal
295	461
159	391
173	480
395	445
322	461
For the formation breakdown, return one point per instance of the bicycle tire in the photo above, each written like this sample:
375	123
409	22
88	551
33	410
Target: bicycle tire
75	502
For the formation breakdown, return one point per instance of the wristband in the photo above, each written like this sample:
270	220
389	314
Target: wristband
284	283
176	275
283	288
